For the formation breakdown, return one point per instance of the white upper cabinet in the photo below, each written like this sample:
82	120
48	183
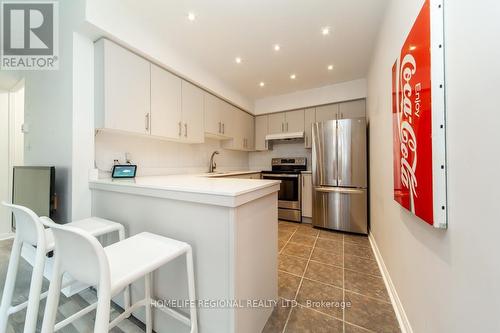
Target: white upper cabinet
241	130
122	89
261	132
166	110
276	123
294	121
215	116
249	123
327	112
352	109
192	113
309	119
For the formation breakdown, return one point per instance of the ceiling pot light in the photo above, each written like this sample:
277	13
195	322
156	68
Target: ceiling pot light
293	76
191	16
237	60
262	84
330	67
277	47
325	31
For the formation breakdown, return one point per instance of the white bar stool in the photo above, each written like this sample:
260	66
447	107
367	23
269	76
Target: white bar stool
30	230
111	269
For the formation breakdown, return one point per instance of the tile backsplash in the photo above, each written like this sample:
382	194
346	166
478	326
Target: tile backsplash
159	157
262	160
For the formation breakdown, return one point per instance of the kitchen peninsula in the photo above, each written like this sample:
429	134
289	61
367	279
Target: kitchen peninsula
230	223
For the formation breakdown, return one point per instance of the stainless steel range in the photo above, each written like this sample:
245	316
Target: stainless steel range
288	170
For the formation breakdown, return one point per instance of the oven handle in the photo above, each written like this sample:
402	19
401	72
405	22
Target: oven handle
283	175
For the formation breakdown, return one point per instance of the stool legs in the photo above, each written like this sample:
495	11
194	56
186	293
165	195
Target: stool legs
147	297
126	292
49	317
103	309
35	290
191	291
10	282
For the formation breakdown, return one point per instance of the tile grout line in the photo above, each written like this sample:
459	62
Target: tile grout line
334	286
300	284
343	283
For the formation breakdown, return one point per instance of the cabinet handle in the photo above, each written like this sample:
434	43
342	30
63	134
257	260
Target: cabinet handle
287	126
185	130
147	122
302	181
306	140
223	129
180	128
220	127
282	127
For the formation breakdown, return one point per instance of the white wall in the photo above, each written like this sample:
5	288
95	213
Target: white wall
4	161
158	157
334	93
447	280
48	110
114	20
261	160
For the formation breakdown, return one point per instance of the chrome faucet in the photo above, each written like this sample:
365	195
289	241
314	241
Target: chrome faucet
212	164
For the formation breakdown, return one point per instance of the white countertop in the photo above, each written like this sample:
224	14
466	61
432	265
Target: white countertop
204	188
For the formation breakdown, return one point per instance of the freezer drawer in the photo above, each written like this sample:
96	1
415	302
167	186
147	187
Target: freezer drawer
342	209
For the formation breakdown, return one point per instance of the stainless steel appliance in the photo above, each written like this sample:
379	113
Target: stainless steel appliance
339	169
288	170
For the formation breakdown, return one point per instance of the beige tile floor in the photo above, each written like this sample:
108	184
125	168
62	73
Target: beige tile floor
328	282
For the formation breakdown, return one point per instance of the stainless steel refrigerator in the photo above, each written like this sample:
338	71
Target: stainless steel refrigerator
339	169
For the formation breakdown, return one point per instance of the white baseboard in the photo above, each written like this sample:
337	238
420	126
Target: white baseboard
7	235
404	323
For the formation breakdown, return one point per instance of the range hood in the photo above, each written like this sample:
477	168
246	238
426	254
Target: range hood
285	136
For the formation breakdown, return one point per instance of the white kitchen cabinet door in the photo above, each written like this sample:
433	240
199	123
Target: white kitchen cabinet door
352	109
276	123
327	112
307	195
249	132
235	129
309	119
294	121
122	89
214	109
192	113
166	112
260	133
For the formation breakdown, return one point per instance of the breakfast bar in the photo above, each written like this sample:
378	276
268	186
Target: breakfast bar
231	225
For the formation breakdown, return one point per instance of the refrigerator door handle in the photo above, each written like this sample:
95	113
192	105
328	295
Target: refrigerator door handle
339	190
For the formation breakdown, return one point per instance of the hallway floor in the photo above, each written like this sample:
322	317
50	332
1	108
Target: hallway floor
328	282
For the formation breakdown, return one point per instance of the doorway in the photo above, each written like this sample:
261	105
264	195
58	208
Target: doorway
11	147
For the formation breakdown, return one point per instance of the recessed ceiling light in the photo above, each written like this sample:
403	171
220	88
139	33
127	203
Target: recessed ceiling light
277	47
330	67
262	84
191	16
413	47
238	60
325	31
293	76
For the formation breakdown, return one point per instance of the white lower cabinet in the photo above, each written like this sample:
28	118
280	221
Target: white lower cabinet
307	195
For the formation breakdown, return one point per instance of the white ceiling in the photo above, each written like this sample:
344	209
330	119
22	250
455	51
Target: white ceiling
226	29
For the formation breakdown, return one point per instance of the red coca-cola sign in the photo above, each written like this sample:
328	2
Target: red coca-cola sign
412	109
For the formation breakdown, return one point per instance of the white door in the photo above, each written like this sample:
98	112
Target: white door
309	119
276	123
166	114
214	107
260	132
294	121
307	194
352	109
126	88
192	113
327	112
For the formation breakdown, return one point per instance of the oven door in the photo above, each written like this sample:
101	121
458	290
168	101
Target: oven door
289	195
